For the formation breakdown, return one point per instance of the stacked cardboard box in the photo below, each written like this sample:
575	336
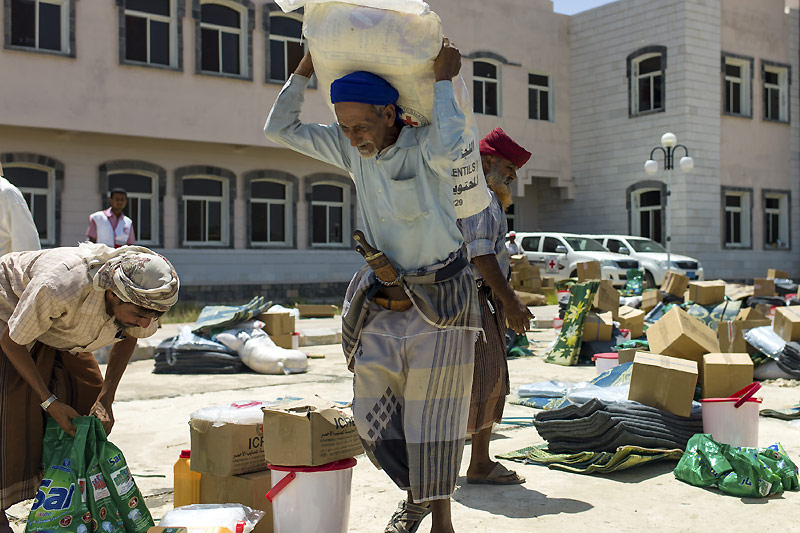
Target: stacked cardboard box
589	270
725	373
731	332
631	319
763	287
707	292
663	382
675	284
787	323
280	327
777	274
606	298
598	327
524	276
678	334
650	299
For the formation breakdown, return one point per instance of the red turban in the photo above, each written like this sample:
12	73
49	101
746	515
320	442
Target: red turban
498	144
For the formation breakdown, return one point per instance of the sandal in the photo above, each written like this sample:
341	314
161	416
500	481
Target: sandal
500	475
407	517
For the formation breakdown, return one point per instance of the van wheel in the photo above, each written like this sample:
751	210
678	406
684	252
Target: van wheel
573	274
649	280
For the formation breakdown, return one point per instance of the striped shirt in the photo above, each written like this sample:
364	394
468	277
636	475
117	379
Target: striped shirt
485	234
48	296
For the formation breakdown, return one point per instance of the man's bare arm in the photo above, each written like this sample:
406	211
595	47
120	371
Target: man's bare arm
517	314
118	361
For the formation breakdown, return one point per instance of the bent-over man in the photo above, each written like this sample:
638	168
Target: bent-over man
409	340
56	307
484	234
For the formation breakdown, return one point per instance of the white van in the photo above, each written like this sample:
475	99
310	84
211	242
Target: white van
557	255
653	258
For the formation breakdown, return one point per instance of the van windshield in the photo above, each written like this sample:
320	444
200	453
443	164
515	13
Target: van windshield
646	246
582	244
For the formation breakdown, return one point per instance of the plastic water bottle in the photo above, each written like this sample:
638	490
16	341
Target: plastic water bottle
187	482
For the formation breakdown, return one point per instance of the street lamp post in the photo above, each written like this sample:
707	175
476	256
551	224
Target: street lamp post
686	164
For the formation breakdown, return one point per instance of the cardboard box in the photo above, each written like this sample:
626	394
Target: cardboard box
707	292
317	311
284	340
738	292
247	489
650	299
675	284
678	334
531	299
725	373
763	287
598	327
731	334
277	323
224	449
309	432
626	355
777	274
632	319
530	285
606	298
548	283
663	382
589	270
787	323
751	314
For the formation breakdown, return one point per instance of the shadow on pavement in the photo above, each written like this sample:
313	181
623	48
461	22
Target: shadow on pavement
514	501
643	472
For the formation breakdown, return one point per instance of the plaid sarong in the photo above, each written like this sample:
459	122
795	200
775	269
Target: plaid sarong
74	378
411	390
451	303
490	380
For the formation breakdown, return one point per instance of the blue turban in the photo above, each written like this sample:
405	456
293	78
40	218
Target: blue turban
365	88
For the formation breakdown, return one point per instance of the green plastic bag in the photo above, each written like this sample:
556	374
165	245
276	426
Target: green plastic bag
635	283
743	472
124	492
60	502
103	508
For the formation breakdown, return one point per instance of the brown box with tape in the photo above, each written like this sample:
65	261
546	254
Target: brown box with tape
787	323
246	489
725	373
589	270
678	334
277	323
606	298
675	284
663	382
650	299
598	327
763	287
777	274
707	292
632	319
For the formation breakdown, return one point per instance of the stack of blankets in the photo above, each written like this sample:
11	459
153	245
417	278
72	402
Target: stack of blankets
597	426
789	359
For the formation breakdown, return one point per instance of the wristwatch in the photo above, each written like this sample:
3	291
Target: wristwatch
45	404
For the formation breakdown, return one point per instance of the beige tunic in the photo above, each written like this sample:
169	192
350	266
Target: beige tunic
48	296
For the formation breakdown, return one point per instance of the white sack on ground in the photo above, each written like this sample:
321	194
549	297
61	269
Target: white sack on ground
261	355
400	46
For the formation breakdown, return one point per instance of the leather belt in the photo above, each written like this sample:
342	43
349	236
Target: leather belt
393	305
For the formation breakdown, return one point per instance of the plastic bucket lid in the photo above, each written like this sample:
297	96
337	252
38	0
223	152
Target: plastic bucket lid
595	357
714	400
342	464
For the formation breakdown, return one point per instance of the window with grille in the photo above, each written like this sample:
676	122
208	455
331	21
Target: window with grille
270	212
37	185
286	46
485	88
142	206
222	39
205	210
40	24
150	32
539	97
329	214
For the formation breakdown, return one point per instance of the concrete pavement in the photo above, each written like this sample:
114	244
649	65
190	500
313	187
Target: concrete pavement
152	413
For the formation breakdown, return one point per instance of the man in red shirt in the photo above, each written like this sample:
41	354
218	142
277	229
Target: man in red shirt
111	227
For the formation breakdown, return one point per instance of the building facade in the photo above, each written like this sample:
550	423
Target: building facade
167	98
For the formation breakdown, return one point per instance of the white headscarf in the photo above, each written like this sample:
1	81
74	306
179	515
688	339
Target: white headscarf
135	274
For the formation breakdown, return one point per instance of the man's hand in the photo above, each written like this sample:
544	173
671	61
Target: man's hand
102	410
448	63
63	414
305	67
518	316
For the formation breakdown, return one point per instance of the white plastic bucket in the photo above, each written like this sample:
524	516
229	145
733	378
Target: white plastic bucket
733	420
605	361
311	499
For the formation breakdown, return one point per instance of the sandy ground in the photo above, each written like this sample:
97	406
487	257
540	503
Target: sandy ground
152	412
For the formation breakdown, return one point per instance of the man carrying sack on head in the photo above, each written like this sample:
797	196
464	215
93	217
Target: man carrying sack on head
484	234
409	325
56	307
